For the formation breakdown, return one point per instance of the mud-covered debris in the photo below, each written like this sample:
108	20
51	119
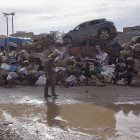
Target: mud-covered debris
7	123
6	133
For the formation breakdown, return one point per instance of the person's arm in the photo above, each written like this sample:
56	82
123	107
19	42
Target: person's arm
46	69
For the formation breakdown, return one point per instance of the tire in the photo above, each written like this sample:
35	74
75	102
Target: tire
67	40
104	34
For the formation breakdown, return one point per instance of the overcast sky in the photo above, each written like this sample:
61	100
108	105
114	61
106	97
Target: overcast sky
42	16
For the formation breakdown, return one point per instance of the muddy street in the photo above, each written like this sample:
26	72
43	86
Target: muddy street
88	113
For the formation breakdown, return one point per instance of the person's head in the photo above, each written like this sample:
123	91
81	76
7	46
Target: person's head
12	48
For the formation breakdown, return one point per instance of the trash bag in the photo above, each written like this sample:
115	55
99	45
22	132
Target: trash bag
5	66
32	77
41	81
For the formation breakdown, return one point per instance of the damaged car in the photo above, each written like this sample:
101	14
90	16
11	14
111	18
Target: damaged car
94	29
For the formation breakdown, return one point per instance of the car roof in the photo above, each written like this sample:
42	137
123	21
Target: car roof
101	19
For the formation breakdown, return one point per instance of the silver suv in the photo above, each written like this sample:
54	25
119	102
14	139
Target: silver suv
99	29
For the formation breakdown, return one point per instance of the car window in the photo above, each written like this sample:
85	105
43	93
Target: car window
94	22
81	26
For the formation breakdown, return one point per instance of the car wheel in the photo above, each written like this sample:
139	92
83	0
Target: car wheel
104	34
67	40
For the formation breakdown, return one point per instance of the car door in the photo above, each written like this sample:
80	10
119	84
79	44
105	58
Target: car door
92	28
80	31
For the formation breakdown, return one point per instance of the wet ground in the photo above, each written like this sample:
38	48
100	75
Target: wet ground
78	113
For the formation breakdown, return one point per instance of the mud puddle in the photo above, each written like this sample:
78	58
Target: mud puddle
41	120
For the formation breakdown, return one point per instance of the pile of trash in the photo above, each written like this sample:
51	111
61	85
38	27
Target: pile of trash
111	63
7	133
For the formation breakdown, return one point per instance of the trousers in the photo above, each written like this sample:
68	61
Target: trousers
49	83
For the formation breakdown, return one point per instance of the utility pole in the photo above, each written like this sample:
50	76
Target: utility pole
6	15
7	24
12	14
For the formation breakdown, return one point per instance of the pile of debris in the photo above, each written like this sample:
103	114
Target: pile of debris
7	133
109	63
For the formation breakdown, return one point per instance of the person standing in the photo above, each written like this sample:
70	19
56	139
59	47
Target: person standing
50	76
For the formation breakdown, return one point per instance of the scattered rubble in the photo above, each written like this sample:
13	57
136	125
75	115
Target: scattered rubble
6	133
108	62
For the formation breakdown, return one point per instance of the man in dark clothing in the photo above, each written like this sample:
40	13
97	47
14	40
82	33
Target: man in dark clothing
50	76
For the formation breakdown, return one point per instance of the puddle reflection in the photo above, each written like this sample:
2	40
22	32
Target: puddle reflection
53	112
128	123
105	121
113	121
